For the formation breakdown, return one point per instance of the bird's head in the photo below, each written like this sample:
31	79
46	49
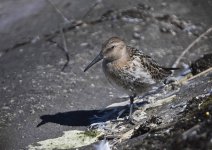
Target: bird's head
113	49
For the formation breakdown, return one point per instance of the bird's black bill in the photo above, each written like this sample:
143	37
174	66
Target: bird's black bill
96	59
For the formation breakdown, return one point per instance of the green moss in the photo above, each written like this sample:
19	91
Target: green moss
91	133
206	103
196	108
70	139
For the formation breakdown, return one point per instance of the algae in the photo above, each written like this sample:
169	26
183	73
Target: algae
70	139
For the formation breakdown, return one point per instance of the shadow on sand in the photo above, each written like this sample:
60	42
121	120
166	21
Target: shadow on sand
85	117
80	117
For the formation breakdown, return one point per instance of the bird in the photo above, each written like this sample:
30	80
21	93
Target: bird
129	69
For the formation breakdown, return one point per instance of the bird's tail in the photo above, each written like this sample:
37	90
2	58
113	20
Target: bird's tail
170	68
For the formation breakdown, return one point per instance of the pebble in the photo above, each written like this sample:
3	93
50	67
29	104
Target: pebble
136	35
164	4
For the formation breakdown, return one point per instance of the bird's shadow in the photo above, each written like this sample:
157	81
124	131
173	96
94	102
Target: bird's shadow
84	117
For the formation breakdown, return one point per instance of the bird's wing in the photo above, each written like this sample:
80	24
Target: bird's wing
151	66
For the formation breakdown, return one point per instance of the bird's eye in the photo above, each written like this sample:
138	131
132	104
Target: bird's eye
112	47
109	49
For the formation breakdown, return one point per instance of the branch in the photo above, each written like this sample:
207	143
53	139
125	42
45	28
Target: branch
91	9
59	12
176	63
65	49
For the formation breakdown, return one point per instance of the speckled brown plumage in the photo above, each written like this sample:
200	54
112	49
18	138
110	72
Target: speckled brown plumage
157	72
129	69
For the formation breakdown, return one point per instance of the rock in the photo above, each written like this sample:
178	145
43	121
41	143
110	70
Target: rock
201	64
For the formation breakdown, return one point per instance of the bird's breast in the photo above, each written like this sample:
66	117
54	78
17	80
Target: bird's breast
131	76
133	71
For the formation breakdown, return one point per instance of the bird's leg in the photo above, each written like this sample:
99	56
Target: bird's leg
131	106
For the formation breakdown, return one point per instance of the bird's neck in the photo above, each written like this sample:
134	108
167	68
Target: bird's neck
122	61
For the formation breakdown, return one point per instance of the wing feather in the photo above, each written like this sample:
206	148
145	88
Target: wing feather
157	72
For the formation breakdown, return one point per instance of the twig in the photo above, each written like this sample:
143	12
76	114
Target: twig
65	49
190	46
90	9
186	80
200	74
59	12
189	77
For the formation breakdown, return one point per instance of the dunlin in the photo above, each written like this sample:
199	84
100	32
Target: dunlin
129	69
